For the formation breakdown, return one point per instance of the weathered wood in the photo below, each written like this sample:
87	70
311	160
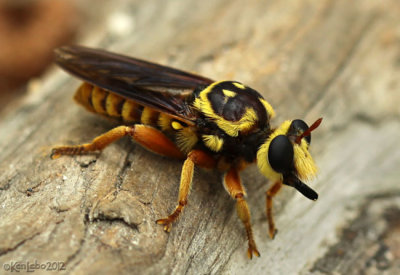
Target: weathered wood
334	59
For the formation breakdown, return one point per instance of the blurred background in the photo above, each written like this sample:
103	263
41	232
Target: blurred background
29	31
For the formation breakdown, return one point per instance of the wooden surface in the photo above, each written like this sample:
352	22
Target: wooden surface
335	59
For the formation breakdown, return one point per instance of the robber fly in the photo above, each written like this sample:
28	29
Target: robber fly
222	125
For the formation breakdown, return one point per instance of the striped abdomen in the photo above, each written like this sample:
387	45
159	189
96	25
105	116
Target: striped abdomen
114	106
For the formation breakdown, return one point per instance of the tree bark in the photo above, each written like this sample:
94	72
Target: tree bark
309	59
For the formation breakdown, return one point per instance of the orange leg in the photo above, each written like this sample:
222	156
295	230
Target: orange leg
195	157
147	136
234	187
270	194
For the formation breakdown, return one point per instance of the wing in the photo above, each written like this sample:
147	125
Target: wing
162	88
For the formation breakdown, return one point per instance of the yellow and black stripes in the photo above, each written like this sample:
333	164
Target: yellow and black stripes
111	105
131	111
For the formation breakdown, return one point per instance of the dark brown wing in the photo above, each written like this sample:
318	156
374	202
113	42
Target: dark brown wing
150	84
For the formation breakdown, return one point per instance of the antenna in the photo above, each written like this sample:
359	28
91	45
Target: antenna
309	130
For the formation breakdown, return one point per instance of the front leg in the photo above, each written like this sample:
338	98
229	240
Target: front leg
270	194
235	188
195	157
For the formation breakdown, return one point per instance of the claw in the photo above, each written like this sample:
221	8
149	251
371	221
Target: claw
55	154
167	224
272	232
252	250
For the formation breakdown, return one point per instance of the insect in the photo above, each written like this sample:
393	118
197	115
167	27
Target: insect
222	125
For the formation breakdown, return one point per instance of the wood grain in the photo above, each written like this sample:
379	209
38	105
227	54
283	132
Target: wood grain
308	58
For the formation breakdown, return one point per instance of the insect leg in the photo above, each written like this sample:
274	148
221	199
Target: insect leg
155	141
234	187
270	194
98	144
147	136
195	157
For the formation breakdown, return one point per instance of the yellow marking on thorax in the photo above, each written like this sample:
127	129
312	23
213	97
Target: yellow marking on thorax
232	128
113	105
239	85
228	93
176	125
268	107
213	142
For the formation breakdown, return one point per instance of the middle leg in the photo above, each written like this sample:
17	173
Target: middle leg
195	157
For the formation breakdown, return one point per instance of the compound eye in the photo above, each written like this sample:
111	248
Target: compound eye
280	154
299	125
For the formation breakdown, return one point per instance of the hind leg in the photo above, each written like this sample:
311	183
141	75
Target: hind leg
146	136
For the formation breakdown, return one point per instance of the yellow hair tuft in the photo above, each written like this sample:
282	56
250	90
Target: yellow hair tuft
213	142
303	162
